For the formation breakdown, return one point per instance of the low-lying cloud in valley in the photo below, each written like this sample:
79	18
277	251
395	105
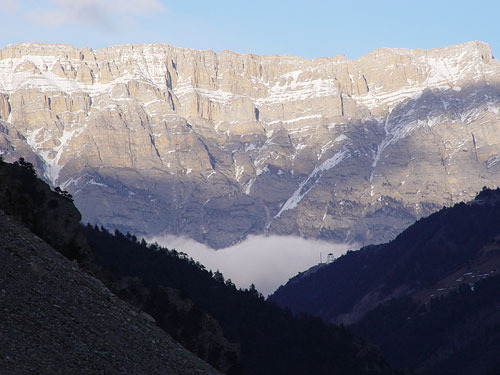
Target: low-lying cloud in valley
264	261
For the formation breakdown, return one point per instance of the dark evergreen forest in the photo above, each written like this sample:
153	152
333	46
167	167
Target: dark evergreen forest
272	340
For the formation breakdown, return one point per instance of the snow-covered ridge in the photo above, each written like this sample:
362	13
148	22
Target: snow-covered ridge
265	80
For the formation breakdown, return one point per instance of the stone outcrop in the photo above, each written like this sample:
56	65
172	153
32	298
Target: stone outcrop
50	215
154	138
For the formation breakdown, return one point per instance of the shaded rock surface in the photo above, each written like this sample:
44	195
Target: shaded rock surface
154	138
57	319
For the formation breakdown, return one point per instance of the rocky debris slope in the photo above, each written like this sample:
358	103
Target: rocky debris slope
152	138
56	319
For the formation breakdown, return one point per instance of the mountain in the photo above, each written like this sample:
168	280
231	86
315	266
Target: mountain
428	298
56	318
90	328
154	138
454	334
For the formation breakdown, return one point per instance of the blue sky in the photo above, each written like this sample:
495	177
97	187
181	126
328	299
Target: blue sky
305	28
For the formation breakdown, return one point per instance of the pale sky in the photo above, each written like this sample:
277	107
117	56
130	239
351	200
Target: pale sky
309	28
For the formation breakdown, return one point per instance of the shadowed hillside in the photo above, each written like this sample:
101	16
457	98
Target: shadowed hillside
426	298
57	319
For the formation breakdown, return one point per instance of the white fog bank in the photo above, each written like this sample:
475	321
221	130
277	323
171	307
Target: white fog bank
267	262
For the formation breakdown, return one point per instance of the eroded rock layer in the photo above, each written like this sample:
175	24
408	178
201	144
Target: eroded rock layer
154	138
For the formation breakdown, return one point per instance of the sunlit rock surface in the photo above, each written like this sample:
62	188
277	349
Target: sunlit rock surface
154	138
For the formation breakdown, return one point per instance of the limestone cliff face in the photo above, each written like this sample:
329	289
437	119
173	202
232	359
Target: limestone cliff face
152	138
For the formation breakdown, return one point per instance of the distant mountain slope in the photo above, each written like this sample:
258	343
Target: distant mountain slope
455	334
150	138
199	308
428	298
55	318
452	240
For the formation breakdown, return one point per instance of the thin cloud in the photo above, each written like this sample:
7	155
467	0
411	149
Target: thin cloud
267	262
9	6
104	15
